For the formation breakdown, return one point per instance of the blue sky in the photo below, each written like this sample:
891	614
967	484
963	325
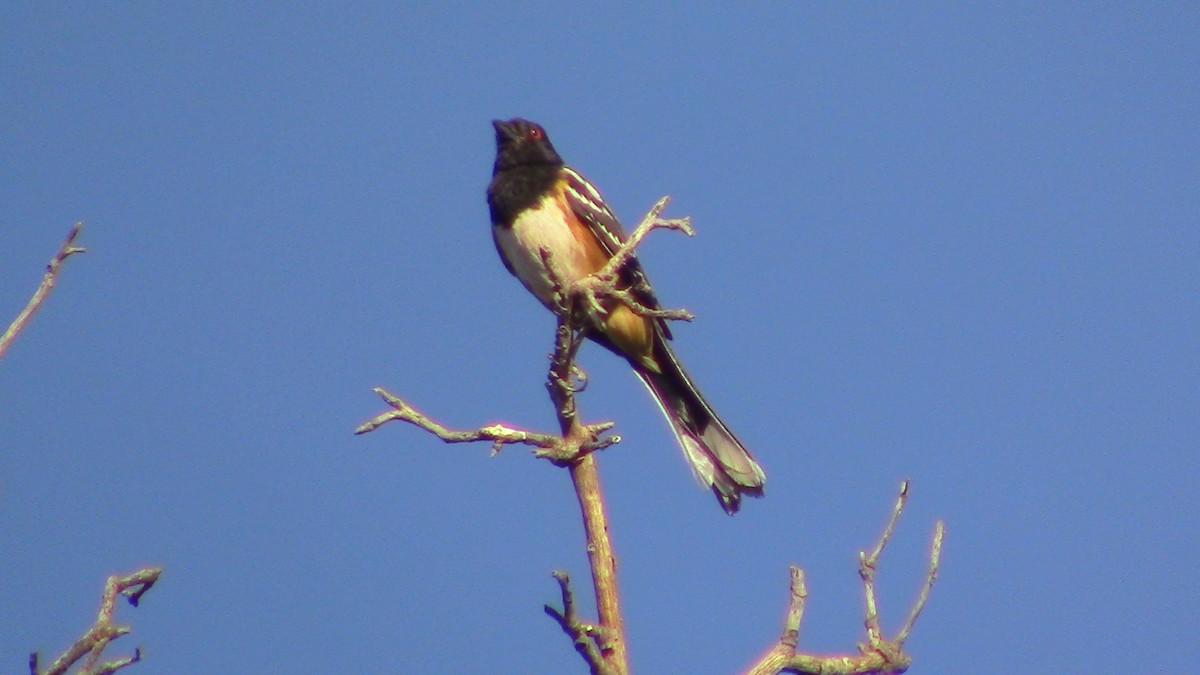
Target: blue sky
955	243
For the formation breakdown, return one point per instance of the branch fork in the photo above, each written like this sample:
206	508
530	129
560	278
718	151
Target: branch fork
878	654
590	640
588	294
98	637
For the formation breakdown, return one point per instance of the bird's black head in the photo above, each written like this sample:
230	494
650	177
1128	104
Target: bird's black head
523	143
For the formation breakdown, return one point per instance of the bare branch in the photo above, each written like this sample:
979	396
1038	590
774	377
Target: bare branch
877	655
603	562
602	646
65	251
935	557
867	564
114	666
97	638
649	223
557	449
795	614
901	502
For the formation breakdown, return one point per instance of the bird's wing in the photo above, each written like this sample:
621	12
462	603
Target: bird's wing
589	206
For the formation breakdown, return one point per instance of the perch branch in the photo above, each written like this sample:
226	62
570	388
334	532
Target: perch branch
603	284
97	638
65	251
609	642
878	654
602	645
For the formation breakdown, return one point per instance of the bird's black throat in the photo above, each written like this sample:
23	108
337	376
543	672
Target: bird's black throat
514	190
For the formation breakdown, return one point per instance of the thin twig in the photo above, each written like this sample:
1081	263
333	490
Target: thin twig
114	666
901	502
498	433
935	557
603	284
586	637
97	638
65	251
650	222
867	566
558	449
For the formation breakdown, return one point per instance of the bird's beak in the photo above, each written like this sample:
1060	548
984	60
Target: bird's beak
504	129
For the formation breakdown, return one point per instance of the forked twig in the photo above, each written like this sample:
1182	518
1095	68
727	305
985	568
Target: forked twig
98	637
878	654
603	284
589	639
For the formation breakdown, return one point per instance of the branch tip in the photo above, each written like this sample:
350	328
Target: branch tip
66	250
935	556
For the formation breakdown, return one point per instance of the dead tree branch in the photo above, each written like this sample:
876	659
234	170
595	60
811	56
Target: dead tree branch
602	645
65	251
588	638
98	637
550	446
877	654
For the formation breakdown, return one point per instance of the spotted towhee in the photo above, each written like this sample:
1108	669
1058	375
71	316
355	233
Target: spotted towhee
539	204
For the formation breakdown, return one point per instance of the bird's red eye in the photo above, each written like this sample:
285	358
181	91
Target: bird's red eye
536	134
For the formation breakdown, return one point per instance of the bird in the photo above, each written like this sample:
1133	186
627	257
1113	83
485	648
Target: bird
543	210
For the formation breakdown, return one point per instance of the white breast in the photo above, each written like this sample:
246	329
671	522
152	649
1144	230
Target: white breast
536	229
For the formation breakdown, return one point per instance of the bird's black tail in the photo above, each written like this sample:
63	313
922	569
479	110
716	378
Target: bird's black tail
717	457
